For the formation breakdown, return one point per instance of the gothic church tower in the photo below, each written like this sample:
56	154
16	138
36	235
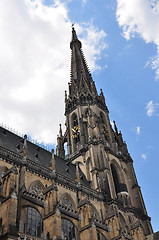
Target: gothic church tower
99	150
92	194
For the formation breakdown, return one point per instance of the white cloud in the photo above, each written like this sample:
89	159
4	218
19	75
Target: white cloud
140	17
112	124
144	156
138	130
93	42
35	64
84	2
152	109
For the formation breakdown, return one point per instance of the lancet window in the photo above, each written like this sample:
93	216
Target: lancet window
34	222
115	179
69	231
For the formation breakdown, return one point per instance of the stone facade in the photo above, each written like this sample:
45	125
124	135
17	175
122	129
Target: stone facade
90	194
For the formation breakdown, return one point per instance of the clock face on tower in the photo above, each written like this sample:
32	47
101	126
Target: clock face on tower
75	131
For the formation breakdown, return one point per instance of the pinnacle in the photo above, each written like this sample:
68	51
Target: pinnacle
74	35
75	41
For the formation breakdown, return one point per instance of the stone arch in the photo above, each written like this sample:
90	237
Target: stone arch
66	199
31	221
118	169
116	177
36	188
31	205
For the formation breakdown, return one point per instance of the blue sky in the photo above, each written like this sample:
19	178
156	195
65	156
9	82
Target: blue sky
121	44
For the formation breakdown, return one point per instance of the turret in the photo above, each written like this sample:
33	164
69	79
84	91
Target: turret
60	151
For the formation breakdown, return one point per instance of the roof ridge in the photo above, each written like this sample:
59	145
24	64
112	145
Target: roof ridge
29	139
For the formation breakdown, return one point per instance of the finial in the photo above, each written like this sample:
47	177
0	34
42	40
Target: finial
53	160
25	136
60	131
24	152
101	91
52	150
73	25
102	95
25	145
75	39
65	95
116	129
74	35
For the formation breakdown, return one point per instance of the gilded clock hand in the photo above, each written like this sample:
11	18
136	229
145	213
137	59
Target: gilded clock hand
73	130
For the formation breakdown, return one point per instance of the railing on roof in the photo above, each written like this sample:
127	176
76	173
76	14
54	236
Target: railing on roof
25	236
34	141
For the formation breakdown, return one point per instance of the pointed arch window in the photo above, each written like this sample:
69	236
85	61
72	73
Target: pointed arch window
74	120
69	231
34	222
68	201
36	188
115	179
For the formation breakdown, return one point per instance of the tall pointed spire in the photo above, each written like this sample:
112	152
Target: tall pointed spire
80	73
82	89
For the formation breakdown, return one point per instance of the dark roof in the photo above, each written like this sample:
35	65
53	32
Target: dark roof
156	236
37	154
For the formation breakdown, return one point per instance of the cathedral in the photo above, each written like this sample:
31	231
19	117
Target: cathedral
91	193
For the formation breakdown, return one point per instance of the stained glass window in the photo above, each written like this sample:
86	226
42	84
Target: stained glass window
34	223
68	230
